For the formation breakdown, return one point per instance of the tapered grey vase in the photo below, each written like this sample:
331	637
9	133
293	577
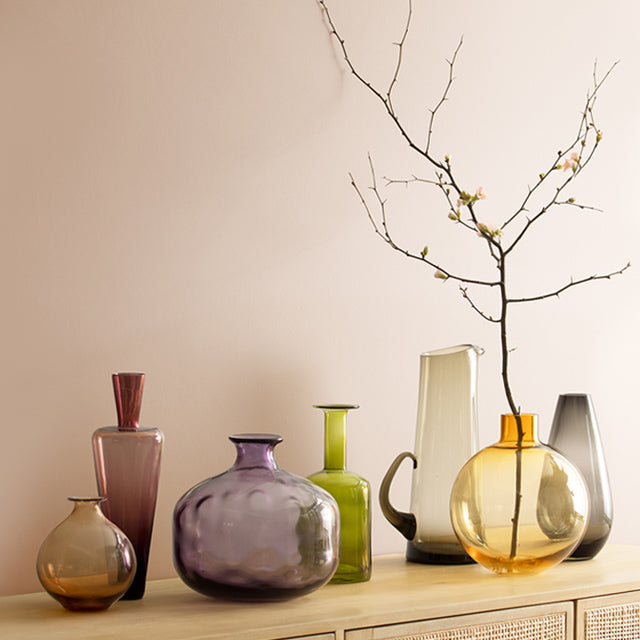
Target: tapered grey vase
575	434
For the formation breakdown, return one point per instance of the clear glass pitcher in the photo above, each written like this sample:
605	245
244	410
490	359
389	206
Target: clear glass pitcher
446	437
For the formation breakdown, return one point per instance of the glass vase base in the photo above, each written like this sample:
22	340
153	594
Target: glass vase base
523	565
254	593
85	604
437	553
587	550
136	591
347	574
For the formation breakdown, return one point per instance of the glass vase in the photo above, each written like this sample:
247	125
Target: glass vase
127	464
446	437
255	532
353	495
86	563
575	434
519	506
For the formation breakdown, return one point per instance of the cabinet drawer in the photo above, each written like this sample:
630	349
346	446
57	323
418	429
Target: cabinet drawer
322	636
551	622
615	617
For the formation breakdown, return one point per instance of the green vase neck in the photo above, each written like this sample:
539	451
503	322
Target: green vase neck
335	422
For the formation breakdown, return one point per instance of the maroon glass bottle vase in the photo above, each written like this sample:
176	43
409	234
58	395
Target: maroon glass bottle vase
127	463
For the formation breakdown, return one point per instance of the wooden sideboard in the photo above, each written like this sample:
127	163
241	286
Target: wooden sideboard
594	600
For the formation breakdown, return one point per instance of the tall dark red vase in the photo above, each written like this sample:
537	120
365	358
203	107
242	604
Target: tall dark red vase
127	462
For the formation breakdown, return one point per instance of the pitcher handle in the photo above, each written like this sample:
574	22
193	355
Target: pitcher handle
405	523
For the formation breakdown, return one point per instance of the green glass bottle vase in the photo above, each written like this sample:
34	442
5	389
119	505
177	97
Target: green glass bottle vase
353	495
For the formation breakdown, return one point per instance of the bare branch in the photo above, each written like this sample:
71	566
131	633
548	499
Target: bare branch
573	283
412	179
443	98
465	295
400	46
379	95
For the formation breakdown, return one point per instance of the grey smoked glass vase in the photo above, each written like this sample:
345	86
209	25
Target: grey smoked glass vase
575	434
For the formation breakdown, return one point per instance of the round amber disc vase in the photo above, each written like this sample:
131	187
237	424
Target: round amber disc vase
86	562
519	506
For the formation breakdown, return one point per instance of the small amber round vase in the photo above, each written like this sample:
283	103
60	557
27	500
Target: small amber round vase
519	506
86	562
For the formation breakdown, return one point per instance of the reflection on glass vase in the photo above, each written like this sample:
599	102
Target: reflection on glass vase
575	434
351	492
519	506
86	562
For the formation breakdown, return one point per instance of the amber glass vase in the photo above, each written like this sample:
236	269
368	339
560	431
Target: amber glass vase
353	495
519	506
86	562
127	463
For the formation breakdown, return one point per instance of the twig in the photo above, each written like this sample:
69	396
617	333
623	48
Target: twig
443	98
573	283
465	295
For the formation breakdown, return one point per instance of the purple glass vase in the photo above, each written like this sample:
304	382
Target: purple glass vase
255	532
127	462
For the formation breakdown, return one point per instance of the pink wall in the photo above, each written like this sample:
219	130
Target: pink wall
175	199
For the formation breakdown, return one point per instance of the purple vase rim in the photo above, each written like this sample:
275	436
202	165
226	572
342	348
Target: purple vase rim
257	438
336	407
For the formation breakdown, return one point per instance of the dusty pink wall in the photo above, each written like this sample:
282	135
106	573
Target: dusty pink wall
174	199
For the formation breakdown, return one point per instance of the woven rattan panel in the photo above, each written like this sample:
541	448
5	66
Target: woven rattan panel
618	622
547	627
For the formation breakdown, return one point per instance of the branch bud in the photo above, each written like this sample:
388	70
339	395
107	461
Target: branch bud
441	276
424	252
465	198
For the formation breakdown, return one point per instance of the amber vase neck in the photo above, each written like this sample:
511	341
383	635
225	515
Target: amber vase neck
509	429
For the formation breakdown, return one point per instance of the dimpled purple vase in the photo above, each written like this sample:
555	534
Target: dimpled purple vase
255	532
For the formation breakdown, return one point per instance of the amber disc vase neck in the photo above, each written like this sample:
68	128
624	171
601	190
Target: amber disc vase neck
509	430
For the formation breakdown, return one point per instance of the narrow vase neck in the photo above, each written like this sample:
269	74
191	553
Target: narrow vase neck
128	388
335	423
86	507
509	430
255	450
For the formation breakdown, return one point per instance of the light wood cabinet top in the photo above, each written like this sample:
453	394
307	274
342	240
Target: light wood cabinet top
398	592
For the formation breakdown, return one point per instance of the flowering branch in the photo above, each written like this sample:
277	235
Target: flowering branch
461	209
382	229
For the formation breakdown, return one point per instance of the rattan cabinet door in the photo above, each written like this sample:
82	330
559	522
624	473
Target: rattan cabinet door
614	617
545	622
